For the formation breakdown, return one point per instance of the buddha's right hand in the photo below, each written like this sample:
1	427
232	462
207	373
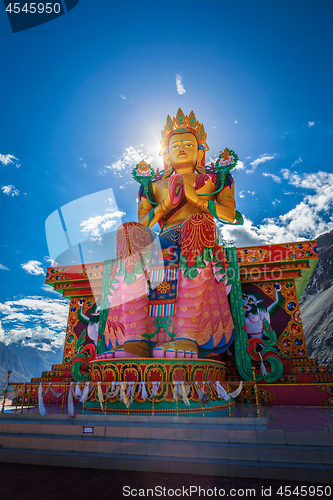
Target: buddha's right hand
176	189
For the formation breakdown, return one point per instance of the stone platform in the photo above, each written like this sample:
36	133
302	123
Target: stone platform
211	445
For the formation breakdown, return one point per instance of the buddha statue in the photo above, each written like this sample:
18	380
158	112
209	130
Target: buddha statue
187	315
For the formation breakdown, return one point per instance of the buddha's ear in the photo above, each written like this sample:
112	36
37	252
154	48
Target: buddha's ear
167	159
200	155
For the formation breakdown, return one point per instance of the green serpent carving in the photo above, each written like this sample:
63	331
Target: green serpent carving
245	350
80	367
243	359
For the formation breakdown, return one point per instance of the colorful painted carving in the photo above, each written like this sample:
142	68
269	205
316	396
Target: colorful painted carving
256	311
187	315
184	294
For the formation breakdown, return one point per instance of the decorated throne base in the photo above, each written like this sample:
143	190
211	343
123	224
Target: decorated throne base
193	372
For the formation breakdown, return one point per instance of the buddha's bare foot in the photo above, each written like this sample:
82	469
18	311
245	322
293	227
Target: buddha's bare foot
139	349
181	348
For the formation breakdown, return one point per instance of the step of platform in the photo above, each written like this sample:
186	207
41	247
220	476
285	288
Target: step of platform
194	445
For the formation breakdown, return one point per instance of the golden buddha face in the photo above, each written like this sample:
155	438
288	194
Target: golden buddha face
184	152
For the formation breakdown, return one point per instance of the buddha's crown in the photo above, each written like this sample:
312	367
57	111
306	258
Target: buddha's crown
181	124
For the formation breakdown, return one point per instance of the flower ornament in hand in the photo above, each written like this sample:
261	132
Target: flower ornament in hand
227	158
143	172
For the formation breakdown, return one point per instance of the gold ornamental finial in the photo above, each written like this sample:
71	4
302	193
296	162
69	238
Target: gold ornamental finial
181	124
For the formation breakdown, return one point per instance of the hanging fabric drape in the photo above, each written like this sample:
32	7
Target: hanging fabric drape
55	394
100	395
126	392
123	396
70	401
200	395
13	394
184	392
237	391
262	366
78	392
85	394
221	392
114	391
41	395
41	407
175	391
144	394
180	391
155	388
130	391
46	391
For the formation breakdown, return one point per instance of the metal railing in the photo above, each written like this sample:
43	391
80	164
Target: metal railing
28	395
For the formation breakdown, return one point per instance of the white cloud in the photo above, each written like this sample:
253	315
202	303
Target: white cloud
316	181
275	178
276	202
241	194
93	225
49	289
33	267
210	160
123	97
7	159
261	159
10	190
296	161
313	215
236	121
127	161
240	165
246	235
4	268
98	240
84	165
310	124
307	220
264	234
34	321
179	84
50	261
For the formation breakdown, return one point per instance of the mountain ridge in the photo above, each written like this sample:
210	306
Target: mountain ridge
316	305
9	361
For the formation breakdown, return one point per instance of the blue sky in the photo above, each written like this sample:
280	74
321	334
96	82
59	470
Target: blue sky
85	96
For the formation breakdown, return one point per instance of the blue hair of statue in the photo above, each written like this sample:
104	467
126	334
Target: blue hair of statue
140	192
228	180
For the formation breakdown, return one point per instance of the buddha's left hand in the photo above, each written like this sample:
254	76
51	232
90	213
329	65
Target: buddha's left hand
176	188
190	192
222	207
